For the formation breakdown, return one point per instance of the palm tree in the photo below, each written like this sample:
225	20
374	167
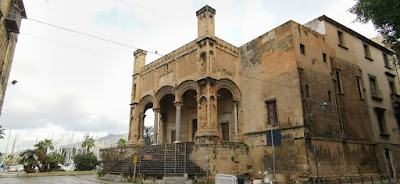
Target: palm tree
29	160
42	148
88	143
2	130
121	143
148	135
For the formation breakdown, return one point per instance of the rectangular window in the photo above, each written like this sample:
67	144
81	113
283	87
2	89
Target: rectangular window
392	87
340	37
380	114
367	52
329	96
338	81
386	59
373	86
272	114
360	88
324	57
307	92
302	49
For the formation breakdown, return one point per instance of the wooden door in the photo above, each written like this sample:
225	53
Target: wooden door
194	128
225	131
173	136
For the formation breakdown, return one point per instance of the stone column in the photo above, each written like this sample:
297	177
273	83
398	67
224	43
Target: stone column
133	125
161	129
178	106
141	120
156	120
235	117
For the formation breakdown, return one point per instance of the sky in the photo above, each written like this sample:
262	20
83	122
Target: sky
70	84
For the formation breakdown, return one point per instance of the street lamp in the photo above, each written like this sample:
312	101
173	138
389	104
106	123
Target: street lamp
323	105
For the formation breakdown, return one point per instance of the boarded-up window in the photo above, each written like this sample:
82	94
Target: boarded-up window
380	114
272	114
339	81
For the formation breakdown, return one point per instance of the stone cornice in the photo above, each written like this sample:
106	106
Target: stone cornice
169	57
204	9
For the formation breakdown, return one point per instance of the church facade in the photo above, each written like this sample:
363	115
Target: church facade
311	83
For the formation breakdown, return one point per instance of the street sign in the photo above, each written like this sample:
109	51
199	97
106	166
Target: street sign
276	136
148	157
134	159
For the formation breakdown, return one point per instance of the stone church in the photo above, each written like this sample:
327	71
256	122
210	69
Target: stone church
315	84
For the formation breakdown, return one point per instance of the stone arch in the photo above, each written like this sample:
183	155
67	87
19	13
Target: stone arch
165	90
144	101
231	86
184	86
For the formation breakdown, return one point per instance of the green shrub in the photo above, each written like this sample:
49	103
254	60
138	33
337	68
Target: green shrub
85	162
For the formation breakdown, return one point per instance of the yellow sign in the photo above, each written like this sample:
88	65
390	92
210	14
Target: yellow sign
134	159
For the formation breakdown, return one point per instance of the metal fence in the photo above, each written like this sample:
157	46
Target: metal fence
361	179
158	159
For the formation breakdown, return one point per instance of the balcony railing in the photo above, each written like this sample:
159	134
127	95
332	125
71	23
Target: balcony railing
377	94
395	100
13	19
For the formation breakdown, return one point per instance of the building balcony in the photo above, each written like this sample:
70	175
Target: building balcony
377	95
395	101
13	19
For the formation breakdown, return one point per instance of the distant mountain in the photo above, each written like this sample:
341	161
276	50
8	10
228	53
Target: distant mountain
103	142
110	140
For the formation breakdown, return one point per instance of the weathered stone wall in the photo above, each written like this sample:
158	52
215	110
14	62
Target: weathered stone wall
381	161
340	159
290	158
269	72
223	158
8	41
316	83
353	110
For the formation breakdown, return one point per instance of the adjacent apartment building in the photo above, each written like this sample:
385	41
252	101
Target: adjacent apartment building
328	92
11	14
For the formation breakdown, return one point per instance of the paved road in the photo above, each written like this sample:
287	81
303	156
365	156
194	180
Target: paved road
81	179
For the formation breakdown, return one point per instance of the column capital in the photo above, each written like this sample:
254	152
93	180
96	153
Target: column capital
178	105
133	105
142	115
234	102
156	110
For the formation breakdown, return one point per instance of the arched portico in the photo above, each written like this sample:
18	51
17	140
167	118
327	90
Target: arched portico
164	90
231	86
202	108
229	97
145	103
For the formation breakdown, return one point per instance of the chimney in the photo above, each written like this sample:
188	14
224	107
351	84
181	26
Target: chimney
205	22
140	58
